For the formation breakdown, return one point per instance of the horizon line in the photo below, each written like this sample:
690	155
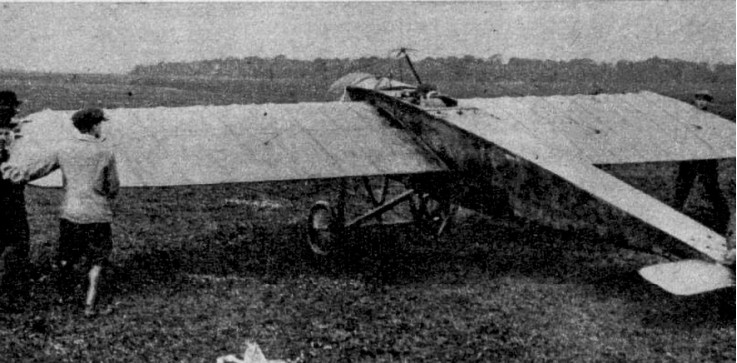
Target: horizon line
505	61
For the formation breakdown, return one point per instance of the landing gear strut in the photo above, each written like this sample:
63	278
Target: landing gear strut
327	225
433	215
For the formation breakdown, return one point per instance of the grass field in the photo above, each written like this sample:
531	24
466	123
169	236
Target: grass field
199	270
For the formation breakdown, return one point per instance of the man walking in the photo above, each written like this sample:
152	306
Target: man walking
14	241
90	184
706	171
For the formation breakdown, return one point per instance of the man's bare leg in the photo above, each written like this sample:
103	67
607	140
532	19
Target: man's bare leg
94	275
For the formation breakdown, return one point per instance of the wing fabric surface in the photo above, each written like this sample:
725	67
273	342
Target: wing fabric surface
240	143
623	128
516	138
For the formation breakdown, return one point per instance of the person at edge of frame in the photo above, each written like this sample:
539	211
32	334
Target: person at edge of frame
707	172
90	184
731	256
14	230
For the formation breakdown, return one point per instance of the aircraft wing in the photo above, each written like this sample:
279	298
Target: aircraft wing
577	169
614	129
239	143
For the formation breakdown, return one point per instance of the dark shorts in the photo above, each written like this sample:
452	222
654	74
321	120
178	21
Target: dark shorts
14	248
13	232
93	241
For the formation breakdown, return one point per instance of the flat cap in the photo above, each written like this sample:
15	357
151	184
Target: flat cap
9	98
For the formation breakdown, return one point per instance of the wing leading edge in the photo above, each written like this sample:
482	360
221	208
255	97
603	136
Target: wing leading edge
240	143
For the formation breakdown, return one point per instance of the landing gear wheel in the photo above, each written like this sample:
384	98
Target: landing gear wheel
320	224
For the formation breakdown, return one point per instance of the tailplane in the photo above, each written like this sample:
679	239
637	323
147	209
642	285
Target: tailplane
689	277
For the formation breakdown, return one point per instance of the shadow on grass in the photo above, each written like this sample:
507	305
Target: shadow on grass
245	250
658	308
481	246
491	249
404	254
708	310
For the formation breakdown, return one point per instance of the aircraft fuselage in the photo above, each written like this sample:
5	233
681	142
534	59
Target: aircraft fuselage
497	182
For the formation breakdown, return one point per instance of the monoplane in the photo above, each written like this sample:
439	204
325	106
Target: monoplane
547	159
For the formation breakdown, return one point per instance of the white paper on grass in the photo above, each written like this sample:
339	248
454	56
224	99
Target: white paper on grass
253	354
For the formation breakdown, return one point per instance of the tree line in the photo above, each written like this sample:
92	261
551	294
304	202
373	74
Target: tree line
466	68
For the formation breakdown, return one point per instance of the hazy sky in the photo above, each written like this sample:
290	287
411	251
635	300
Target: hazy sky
109	37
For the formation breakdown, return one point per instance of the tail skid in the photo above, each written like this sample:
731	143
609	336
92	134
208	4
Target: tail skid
689	277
